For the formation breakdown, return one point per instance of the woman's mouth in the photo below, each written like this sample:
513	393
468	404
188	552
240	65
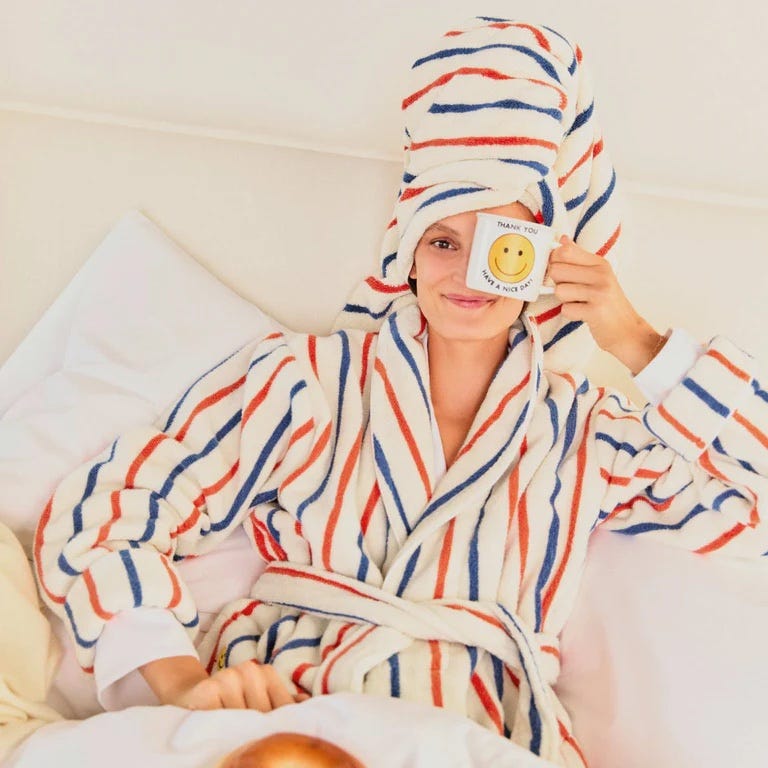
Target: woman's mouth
467	302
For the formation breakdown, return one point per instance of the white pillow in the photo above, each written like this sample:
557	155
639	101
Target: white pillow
653	627
137	324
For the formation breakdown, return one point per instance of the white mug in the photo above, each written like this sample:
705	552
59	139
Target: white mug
509	257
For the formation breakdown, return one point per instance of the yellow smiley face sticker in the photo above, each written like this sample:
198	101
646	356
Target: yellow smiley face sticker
511	257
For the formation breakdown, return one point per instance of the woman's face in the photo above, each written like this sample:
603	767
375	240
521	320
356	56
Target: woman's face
453	310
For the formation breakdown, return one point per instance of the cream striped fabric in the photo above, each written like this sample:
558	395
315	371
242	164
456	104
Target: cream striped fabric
496	112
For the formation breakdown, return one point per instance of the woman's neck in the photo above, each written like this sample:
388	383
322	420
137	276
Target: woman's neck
460	373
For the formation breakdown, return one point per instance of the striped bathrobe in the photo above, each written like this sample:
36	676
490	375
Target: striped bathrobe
382	578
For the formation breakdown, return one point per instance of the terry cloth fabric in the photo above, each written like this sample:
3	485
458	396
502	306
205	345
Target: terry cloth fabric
28	652
382	578
497	112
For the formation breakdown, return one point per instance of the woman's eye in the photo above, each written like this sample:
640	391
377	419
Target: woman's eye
442	244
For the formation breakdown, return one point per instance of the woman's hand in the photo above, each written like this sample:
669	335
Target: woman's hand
588	288
183	682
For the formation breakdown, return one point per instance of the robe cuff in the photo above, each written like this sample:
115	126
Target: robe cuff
692	415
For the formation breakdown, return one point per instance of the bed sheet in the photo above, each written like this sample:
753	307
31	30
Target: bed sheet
380	732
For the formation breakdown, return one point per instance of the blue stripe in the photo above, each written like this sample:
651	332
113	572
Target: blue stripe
237	641
193	385
394	676
302	642
320	612
93	474
517	340
615	444
264	497
575	202
633	530
383	467
359	309
272	635
720	498
448	53
474	554
408	177
154	512
210	446
258	467
718	446
362	568
270	524
472	651
596	206
581	118
554	529
398	339
547	204
502	104
498	676
385	264
492	18
409	569
133	577
449	193
81	641
761	393
540	168
566	330
705	397
446	497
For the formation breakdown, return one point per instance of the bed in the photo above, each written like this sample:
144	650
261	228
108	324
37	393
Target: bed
110	184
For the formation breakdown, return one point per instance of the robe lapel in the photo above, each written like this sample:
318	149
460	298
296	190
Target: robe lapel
401	422
492	445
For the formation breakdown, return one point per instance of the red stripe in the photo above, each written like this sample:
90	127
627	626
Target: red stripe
303	430
722	540
247	611
485	141
487	701
337	642
522	526
609	243
494	622
333	661
341	489
614	417
145	453
583	159
488	423
435	673
647	474
176	594
207	402
93	597
313	577
549	314
114	500
370	505
297	673
261	395
404	428
377	285
751	428
316	451
738	372
581	463
312	351
44	519
445	557
568	739
410	192
684	431
513	677
261	542
369	337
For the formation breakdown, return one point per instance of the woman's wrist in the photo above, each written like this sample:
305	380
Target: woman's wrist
636	349
172	676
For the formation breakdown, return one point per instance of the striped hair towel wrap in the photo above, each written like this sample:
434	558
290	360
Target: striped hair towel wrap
497	112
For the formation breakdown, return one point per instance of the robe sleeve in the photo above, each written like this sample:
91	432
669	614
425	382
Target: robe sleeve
691	470
111	532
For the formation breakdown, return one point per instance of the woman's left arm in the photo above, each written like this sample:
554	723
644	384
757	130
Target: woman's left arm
695	465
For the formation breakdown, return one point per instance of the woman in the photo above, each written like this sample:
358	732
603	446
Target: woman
423	491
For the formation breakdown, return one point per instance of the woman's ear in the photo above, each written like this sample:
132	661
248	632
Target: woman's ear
412	273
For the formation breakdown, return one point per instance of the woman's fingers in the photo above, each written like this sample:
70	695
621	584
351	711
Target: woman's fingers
278	693
229	684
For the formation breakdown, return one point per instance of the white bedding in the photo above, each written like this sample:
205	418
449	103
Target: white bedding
663	659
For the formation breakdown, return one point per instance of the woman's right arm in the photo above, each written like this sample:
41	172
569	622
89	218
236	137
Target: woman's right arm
108	539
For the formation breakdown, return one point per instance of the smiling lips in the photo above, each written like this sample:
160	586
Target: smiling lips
468	302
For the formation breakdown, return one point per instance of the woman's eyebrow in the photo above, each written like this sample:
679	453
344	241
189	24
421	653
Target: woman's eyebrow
444	228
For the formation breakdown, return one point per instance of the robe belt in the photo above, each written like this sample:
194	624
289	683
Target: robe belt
483	624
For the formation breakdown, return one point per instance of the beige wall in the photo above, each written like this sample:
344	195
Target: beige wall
259	216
